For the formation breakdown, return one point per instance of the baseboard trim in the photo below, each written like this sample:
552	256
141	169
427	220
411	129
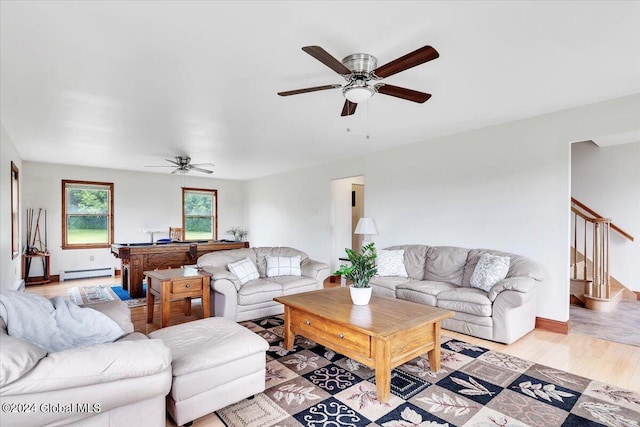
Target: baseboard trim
554	326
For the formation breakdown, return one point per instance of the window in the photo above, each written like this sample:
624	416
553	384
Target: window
87	214
200	214
15	212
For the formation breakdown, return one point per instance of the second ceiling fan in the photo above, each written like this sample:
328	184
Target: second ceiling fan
361	71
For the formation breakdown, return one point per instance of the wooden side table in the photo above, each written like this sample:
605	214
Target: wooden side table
176	284
26	267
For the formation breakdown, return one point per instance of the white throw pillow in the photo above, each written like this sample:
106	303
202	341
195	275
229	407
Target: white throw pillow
244	269
283	266
490	270
391	263
18	358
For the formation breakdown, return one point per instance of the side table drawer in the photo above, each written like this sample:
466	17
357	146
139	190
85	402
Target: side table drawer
334	335
186	285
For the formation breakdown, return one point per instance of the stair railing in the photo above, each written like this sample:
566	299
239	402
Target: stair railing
593	235
592	232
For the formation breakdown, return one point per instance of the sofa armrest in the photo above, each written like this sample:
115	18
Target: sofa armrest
220	273
118	311
315	269
224	299
521	284
97	364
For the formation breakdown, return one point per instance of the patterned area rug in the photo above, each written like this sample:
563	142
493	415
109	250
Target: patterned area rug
94	294
91	294
313	386
131	302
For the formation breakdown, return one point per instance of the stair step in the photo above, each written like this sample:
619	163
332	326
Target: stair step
603	304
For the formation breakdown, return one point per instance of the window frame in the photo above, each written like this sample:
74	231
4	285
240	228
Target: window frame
213	193
110	216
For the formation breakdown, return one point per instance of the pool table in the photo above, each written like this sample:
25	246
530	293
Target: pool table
139	257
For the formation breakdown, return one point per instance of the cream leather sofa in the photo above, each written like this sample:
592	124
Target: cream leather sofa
123	383
440	276
254	299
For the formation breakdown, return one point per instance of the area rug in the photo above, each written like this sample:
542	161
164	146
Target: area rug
95	294
91	294
314	386
132	302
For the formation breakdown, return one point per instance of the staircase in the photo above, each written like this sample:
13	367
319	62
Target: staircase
591	283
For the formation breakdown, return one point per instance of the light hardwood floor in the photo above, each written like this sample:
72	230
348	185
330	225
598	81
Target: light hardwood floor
606	361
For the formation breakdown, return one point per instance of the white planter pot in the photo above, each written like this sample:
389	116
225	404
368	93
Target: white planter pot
360	296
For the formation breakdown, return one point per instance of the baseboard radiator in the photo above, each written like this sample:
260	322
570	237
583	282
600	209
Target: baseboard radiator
83	274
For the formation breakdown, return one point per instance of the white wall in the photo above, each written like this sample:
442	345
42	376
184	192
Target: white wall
294	209
505	187
607	179
10	268
142	201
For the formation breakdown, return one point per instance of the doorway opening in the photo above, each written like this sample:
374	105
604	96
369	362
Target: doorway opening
347	207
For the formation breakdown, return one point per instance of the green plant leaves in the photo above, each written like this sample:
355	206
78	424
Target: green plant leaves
362	266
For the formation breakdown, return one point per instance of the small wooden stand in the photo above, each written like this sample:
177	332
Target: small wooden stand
176	284
26	266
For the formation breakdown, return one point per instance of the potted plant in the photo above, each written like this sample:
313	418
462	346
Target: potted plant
361	269
239	233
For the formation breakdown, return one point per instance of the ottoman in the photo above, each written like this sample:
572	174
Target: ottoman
216	362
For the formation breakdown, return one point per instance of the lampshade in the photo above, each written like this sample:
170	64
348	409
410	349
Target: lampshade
358	94
366	226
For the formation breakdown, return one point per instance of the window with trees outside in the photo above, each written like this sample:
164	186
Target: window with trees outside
87	214
200	214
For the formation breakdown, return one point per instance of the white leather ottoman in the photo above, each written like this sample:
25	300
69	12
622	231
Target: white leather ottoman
216	362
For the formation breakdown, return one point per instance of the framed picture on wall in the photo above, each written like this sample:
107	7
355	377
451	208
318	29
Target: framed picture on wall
15	212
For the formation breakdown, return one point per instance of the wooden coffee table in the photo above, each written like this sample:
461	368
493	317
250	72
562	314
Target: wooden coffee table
382	335
175	284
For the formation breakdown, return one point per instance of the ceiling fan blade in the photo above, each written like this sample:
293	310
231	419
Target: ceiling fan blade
157	166
349	108
309	89
401	92
202	164
325	57
410	60
176	170
192	168
173	161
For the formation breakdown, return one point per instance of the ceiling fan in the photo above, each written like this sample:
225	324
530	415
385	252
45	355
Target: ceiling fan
182	165
360	71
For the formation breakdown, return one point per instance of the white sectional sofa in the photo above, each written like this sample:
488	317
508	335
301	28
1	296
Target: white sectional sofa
441	276
238	301
123	383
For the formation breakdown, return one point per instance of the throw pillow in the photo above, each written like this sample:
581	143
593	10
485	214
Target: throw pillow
18	358
391	263
490	270
244	269
283	266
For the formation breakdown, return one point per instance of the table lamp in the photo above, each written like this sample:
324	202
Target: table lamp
367	227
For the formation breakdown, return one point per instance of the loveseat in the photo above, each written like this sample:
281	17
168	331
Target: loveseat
115	384
497	303
261	274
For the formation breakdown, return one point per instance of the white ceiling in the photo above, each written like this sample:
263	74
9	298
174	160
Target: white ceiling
128	84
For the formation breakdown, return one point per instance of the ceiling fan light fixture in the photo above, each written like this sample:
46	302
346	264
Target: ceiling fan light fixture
358	93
